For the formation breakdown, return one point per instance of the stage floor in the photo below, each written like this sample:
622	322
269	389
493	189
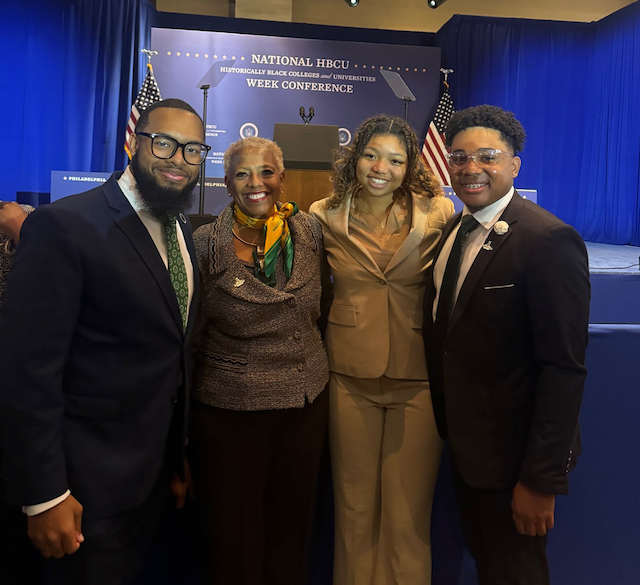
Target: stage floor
610	259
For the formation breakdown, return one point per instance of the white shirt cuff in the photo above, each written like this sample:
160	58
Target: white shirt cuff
39	508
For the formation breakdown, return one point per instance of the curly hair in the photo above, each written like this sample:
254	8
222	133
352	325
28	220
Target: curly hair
253	142
417	180
511	131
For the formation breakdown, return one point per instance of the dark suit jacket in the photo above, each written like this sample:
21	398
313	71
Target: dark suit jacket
507	382
92	356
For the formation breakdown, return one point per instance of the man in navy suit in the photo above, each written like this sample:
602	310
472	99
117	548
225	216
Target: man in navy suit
505	328
100	303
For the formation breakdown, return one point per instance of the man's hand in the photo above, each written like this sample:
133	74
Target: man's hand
11	219
532	511
180	488
58	531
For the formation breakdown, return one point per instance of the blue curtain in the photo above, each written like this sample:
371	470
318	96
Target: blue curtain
575	88
609	179
69	70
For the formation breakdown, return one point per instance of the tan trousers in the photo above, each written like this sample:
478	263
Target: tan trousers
385	452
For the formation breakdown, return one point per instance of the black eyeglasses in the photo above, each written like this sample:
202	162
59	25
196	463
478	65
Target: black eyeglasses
163	146
485	158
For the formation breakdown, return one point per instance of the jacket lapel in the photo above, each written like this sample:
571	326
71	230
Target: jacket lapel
430	295
414	237
338	221
484	257
303	239
195	298
129	222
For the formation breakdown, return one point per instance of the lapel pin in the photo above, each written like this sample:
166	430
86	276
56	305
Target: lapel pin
487	246
239	282
183	219
501	227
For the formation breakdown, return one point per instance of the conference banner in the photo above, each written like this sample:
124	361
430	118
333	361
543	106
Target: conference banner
257	81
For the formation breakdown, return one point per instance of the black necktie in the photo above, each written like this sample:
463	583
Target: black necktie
450	278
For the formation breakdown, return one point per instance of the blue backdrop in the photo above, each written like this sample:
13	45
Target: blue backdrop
70	69
259	80
67	73
576	89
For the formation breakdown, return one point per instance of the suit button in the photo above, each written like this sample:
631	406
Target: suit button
174	399
300	367
297	335
382	282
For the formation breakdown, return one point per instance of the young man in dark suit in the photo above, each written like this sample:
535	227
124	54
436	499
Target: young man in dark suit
506	315
101	300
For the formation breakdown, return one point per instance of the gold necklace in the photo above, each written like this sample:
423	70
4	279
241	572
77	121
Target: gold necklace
382	221
259	247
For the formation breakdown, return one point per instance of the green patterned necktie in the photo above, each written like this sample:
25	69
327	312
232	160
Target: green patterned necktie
177	270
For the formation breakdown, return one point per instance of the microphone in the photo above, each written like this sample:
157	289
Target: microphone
302	112
312	112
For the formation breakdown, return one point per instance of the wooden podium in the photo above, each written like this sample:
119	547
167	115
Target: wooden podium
305	186
308	159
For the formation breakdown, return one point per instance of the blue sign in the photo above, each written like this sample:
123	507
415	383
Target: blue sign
256	81
65	183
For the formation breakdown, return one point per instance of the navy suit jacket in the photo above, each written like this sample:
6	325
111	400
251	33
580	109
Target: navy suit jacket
93	356
507	381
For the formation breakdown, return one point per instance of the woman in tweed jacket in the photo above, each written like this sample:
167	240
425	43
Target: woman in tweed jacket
259	413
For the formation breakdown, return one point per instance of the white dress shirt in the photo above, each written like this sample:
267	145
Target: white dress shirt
487	218
155	227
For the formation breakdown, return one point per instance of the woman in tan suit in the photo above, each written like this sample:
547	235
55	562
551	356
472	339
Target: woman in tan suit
380	229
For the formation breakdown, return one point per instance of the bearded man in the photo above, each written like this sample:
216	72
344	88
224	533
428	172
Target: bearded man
100	303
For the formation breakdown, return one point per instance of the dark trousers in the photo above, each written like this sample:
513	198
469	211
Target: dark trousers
503	556
255	476
114	548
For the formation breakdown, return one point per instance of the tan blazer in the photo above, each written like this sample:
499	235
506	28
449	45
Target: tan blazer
375	322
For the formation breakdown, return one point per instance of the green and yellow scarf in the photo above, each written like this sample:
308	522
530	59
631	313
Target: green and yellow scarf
276	235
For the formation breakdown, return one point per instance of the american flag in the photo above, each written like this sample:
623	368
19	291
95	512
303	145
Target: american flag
434	150
148	94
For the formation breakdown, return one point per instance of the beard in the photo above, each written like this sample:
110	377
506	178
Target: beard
162	202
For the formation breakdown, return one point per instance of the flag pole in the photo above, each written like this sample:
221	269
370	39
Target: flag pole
149	53
446	73
203	166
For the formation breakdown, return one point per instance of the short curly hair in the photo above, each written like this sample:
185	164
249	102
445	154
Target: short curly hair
485	116
253	142
174	103
418	179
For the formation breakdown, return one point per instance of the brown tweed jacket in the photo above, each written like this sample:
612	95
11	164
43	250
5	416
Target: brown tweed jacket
258	347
